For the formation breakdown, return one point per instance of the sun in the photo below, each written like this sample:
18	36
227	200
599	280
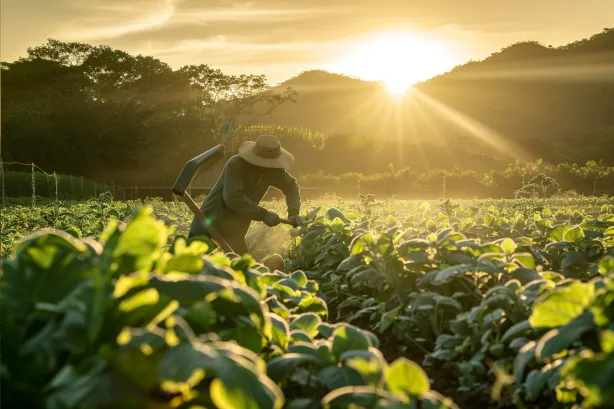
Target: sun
397	59
397	85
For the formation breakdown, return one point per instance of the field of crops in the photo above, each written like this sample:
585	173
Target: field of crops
502	303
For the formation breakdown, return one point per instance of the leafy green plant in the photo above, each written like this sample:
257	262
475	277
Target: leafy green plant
125	323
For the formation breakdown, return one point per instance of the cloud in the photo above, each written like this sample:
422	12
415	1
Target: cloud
112	19
272	35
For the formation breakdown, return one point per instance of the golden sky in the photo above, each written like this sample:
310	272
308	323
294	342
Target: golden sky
281	38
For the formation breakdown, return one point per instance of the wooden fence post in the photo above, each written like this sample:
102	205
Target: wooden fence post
3	185
55	178
33	187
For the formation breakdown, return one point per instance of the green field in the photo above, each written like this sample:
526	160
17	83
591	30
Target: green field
383	304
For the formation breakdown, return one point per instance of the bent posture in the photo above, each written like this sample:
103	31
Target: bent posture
235	199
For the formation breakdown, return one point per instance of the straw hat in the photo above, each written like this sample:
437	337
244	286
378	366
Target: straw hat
266	152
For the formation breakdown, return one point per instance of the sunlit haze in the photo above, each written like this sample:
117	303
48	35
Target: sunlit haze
395	41
399	59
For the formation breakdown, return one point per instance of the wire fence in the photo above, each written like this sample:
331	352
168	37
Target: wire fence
20	179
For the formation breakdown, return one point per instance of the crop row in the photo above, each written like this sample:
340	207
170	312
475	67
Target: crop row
531	316
125	323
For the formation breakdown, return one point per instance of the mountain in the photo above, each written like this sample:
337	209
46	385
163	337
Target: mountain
524	102
102	113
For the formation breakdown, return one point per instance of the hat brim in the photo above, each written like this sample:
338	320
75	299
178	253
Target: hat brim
284	161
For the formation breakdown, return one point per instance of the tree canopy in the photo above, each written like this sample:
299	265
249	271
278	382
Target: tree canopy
98	112
102	113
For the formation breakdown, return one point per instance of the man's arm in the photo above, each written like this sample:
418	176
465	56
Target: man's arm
235	197
292	191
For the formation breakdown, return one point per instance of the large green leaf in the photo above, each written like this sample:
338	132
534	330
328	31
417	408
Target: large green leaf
361	243
525	275
405	377
558	233
45	268
557	339
325	330
388	318
606	265
315	305
526	260
297	335
446	341
307	322
446	275
538	379
280	330
283	366
178	364
573	258
517	330
142	240
525	355
347	338
186	263
594	373
354	396
240	388
304	403
98	388
335	377
508	246
320	351
562	305
300	278
333	213
337	225
228	298
574	234
371	369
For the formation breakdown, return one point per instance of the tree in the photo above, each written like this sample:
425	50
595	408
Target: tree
100	112
594	171
540	183
237	99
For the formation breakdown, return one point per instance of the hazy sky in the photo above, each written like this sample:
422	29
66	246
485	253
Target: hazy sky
281	38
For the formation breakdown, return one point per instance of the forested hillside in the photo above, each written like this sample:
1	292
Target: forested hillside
98	112
553	103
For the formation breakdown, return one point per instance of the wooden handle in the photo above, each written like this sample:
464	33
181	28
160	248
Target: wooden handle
210	228
288	221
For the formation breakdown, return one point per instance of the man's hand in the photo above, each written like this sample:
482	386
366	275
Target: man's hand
271	219
296	220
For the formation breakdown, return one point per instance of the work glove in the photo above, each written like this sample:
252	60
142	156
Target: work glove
296	221
271	219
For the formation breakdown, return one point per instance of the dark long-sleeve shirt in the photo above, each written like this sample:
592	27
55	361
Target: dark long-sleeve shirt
237	193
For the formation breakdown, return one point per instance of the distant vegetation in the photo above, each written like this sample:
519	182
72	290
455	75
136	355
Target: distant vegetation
104	114
553	103
534	180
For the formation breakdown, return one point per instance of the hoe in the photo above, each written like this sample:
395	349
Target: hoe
198	164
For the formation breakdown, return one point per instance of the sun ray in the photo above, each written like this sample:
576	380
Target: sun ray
593	72
475	129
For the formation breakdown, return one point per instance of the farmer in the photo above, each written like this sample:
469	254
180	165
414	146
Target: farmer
234	200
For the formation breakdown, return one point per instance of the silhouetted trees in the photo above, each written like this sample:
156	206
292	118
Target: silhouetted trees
102	113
